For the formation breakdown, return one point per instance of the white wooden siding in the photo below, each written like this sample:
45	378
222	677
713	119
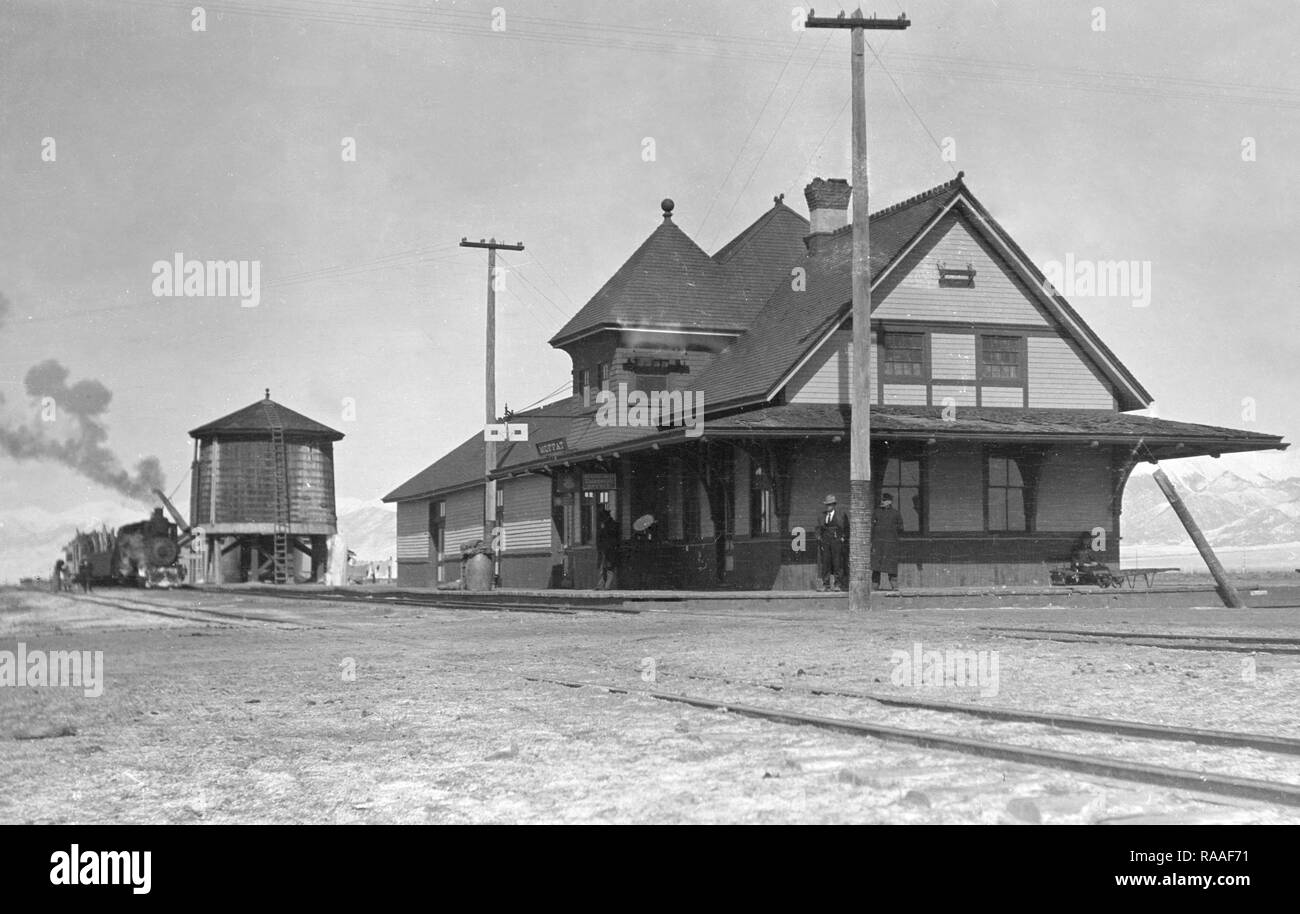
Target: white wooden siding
997	296
528	523
963	395
956	490
825	377
952	356
1074	491
906	394
464	520
1059	378
1002	396
412	531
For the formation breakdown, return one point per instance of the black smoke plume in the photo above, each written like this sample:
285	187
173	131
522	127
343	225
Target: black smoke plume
83	403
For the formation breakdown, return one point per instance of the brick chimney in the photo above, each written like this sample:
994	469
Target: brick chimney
828	204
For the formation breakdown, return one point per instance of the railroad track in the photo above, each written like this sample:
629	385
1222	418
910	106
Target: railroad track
438	601
183	613
1222	643
1093	765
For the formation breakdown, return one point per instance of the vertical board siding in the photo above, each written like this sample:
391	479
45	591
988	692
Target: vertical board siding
962	396
413	531
527	513
825	377
952	356
1058	377
956	489
1002	396
464	520
998	296
1074	491
906	394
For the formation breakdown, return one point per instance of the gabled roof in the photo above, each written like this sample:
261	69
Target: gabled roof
763	253
670	283
256	419
793	322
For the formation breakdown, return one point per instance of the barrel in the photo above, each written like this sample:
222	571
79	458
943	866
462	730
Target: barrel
478	573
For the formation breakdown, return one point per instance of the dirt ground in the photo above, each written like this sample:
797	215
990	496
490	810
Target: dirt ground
332	713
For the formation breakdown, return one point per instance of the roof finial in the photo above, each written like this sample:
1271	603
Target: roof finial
667	207
960	175
268	393
778	199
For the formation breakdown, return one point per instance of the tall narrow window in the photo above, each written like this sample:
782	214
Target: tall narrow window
1001	358
1006	494
905	355
602	375
902	480
762	506
437	525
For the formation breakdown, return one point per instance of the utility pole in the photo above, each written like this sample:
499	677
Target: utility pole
489	444
860	506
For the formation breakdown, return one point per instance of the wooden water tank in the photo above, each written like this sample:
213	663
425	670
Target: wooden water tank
234	482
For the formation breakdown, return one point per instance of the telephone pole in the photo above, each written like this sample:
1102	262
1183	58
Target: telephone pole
860	502
489	445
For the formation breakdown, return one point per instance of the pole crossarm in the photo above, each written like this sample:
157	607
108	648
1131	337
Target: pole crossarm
491	245
856	21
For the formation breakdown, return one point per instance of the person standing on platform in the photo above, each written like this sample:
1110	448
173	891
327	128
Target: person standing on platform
83	572
607	546
886	526
833	546
56	577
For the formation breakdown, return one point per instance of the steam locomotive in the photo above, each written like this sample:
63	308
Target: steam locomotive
143	554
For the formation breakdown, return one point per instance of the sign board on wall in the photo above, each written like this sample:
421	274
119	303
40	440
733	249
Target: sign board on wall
599	482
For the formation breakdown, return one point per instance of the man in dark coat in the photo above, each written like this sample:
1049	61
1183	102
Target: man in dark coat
833	546
886	525
608	536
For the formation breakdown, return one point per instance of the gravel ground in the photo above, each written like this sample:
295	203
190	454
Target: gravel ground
407	714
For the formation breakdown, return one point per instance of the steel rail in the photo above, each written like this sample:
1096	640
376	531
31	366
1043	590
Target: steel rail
1280	744
1243	639
1096	766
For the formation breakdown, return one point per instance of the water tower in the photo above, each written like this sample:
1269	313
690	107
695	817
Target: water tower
262	493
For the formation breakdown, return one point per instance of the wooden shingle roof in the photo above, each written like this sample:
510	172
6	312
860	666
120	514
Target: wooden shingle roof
256	419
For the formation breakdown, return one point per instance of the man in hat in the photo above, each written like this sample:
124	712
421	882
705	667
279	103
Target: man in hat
886	525
833	546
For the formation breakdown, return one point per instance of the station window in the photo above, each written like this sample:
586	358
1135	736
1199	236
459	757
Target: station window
902	479
1001	358
1006	494
904	355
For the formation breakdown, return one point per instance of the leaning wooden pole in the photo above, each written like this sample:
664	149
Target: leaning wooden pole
1226	591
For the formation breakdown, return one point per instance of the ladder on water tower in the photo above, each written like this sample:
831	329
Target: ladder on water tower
279	460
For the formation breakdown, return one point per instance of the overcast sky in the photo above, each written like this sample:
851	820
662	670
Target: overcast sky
1122	143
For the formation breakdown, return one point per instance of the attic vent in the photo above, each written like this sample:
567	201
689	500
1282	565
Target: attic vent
956	277
646	366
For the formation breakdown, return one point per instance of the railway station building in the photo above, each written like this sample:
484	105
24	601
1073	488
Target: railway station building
711	395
